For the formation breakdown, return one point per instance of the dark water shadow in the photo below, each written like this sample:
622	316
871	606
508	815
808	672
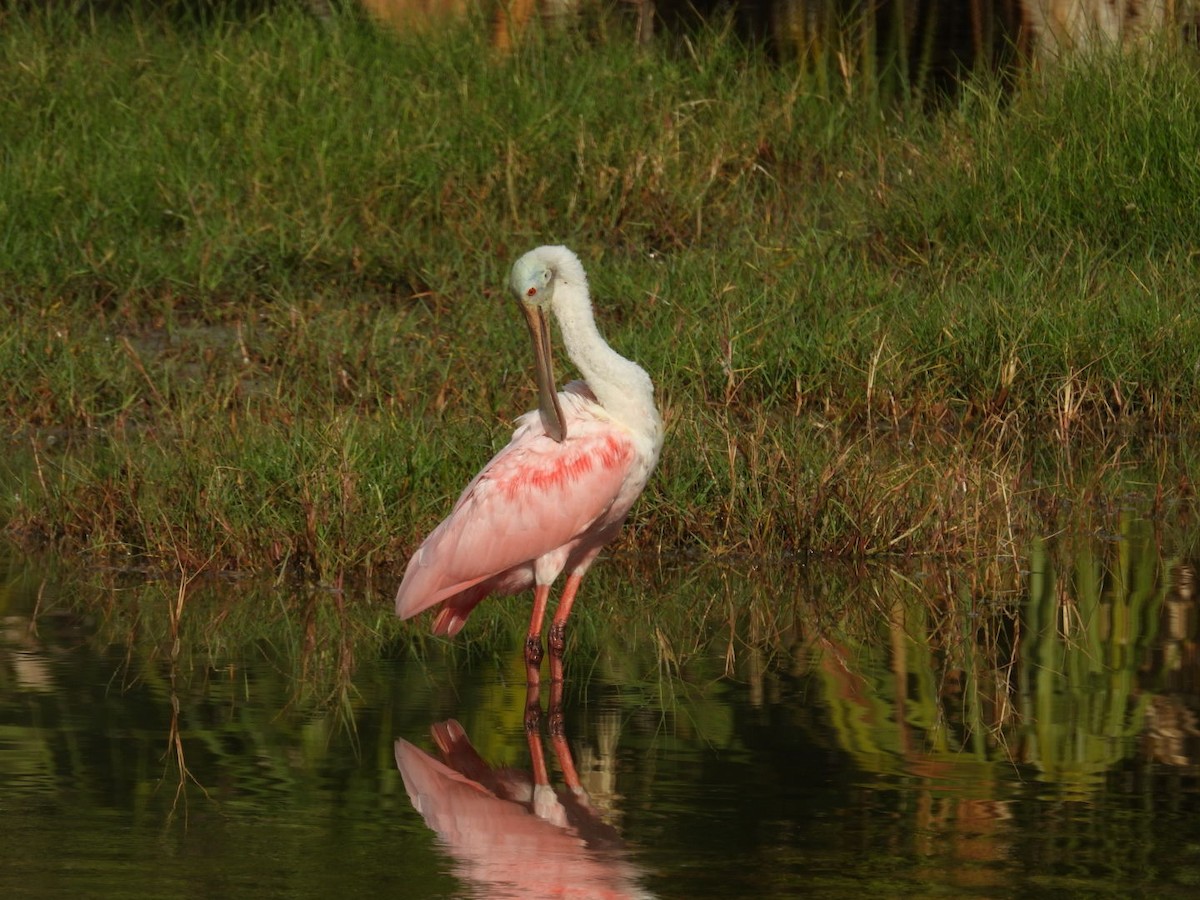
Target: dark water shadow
1007	725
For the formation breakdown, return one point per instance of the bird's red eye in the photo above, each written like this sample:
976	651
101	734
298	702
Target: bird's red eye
532	292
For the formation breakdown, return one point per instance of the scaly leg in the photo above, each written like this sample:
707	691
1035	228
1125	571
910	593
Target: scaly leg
558	628
558	739
533	722
533	643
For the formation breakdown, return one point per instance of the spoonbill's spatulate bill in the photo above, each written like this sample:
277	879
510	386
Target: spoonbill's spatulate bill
550	500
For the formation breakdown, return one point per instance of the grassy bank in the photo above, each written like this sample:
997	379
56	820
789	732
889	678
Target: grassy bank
252	278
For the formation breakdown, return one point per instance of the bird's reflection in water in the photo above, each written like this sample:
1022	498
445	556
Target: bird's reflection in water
510	833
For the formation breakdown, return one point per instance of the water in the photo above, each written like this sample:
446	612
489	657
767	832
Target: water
1013	728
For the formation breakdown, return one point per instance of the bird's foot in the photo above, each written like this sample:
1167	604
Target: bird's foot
533	651
533	709
558	640
533	660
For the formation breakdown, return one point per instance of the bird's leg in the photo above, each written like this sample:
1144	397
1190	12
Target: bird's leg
533	643
558	628
533	708
556	660
533	721
558	738
555	709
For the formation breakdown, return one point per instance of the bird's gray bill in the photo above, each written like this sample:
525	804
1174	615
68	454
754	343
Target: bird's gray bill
539	330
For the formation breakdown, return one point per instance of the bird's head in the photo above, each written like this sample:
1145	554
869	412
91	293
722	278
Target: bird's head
532	281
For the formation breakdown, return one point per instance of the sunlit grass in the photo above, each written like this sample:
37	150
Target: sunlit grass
253	279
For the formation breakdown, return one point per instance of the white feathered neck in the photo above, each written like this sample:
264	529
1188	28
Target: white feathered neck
621	386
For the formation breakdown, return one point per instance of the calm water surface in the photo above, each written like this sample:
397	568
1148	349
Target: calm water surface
1020	729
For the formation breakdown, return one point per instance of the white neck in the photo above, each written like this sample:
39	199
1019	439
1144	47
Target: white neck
621	386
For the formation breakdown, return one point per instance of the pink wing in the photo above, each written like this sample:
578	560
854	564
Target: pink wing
534	497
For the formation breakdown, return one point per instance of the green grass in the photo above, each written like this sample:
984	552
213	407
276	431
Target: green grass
253	279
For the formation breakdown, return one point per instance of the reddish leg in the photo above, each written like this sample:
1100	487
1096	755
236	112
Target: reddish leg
558	738
544	803
558	628
533	643
533	721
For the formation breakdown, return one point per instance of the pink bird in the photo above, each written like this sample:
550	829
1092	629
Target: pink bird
561	489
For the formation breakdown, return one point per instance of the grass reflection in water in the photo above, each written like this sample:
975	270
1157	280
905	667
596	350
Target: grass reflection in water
747	729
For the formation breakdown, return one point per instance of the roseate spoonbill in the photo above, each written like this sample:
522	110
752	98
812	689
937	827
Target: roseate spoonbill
550	500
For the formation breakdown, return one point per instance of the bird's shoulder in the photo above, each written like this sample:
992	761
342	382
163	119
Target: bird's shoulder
593	450
593	459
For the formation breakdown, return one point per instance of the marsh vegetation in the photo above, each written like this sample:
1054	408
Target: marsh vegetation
252	277
909	601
